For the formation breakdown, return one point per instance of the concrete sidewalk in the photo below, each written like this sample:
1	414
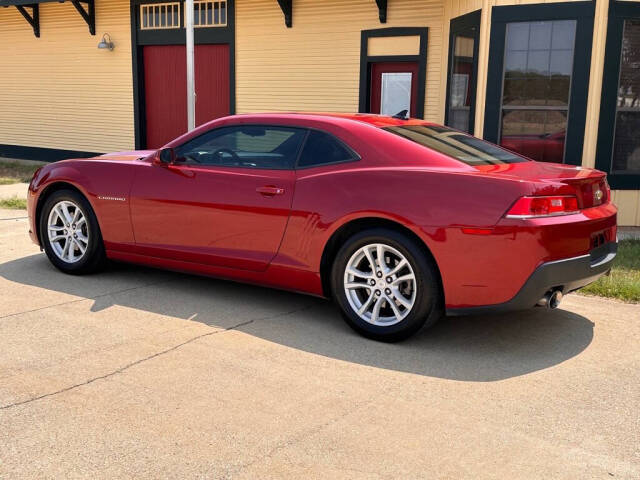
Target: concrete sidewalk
139	373
14	190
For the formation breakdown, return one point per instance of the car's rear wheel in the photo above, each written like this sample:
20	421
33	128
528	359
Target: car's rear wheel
70	233
385	285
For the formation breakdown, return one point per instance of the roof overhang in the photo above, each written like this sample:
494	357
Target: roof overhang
287	9
12	3
30	10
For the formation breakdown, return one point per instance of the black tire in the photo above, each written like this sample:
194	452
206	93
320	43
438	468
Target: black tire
94	258
427	307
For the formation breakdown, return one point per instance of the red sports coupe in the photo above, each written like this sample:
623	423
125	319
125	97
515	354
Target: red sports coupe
398	220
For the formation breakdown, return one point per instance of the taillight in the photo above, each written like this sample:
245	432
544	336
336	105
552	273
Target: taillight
531	207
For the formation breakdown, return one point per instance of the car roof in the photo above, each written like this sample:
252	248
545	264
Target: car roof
380	121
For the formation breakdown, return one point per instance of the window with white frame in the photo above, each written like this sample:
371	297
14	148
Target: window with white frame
164	16
159	16
209	13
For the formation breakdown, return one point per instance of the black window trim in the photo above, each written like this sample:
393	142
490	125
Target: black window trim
618	13
458	25
355	155
367	60
581	11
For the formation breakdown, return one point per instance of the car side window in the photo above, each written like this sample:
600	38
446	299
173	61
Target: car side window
322	148
248	146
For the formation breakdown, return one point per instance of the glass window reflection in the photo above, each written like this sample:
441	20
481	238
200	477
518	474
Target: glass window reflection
626	149
536	86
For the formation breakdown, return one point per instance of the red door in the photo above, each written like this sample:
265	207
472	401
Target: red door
165	86
394	87
165	92
212	82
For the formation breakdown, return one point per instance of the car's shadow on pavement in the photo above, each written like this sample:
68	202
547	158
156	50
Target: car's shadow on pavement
481	348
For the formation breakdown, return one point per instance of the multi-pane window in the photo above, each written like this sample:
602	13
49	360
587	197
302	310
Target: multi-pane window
209	13
159	16
538	65
626	146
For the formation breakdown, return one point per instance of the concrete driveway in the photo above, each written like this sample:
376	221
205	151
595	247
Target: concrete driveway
136	373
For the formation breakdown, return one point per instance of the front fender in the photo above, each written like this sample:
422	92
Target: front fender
106	187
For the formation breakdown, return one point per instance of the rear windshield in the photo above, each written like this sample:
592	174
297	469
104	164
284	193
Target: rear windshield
467	149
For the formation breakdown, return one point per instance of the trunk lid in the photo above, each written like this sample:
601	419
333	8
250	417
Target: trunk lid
588	184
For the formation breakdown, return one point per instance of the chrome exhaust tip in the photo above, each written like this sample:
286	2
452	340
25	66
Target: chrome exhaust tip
551	300
555	299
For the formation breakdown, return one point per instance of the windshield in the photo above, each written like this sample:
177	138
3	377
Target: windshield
467	149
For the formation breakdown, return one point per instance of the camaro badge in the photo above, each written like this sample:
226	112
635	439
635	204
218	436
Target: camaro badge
597	195
117	199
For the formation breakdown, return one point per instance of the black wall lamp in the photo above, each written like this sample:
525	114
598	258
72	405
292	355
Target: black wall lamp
106	42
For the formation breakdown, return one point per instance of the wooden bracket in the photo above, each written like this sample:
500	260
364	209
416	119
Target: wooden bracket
287	8
88	14
382	10
33	18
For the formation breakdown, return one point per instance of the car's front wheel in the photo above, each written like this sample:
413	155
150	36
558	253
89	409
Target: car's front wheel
70	233
385	285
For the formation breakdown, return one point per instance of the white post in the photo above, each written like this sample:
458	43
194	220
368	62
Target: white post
191	94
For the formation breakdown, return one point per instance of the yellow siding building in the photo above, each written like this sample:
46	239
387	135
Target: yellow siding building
557	81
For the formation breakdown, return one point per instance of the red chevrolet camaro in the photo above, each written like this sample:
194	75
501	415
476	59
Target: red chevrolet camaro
398	220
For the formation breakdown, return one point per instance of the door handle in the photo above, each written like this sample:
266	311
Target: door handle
270	190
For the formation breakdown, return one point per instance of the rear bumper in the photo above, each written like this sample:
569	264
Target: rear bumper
566	275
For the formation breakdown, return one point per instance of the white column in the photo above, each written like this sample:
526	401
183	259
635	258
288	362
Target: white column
595	83
191	93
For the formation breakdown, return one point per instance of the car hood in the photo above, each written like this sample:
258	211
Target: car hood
127	156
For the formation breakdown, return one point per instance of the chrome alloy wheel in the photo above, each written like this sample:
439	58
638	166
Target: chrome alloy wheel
380	284
67	231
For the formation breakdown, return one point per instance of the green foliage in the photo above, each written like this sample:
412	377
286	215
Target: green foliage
13	203
624	281
17	172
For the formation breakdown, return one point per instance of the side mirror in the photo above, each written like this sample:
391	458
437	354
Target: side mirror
167	155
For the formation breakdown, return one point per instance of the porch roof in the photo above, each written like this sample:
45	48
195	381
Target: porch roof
30	10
